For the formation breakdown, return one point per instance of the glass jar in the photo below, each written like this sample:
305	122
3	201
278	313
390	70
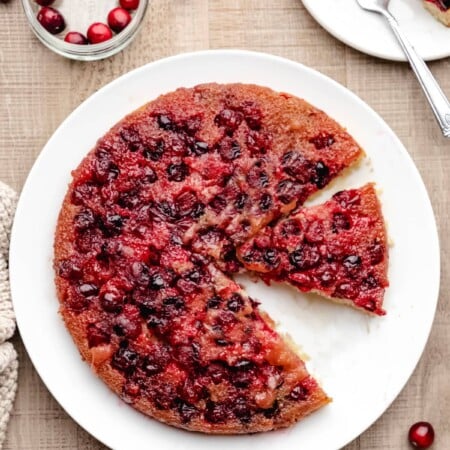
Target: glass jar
80	14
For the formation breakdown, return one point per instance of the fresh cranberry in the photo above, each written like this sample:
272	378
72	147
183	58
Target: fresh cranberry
44	2
51	20
98	32
421	435
129	4
118	19
74	37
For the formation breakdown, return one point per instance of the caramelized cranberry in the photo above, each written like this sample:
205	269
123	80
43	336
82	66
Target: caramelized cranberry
271	257
288	190
241	409
229	150
218	203
346	290
51	20
215	413
129	4
352	263
272	411
69	269
74	37
376	253
88	290
154	150
99	32
252	115
299	393
128	323
214	302
118	19
348	199
177	172
156	281
265	202
296	166
421	435
186	411
236	303
229	119
112	300
257	143
241	200
320	175
200	148
97	335
290	227
257	178
305	257
125	360
322	140
340	222
186	204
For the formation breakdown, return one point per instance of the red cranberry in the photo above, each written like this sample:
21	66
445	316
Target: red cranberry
421	435
74	37
51	20
118	19
129	4
98	32
44	2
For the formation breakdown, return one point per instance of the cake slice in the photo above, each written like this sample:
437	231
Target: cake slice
440	9
337	249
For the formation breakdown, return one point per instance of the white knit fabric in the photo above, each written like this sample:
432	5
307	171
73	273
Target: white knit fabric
8	356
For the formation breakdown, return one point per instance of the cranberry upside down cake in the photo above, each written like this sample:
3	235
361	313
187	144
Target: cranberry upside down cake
160	215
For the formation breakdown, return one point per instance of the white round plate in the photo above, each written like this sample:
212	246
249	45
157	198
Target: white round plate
369	32
363	362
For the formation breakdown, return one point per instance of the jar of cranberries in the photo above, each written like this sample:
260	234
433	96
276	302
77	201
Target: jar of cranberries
85	29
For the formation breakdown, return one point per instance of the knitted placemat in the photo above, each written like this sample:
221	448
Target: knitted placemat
8	356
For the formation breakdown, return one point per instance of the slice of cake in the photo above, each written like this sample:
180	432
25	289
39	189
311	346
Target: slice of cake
337	249
440	9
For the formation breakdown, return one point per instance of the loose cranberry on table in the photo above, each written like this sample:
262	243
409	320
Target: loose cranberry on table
51	19
421	435
74	37
98	32
129	4
118	19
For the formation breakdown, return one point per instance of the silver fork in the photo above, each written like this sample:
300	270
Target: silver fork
437	99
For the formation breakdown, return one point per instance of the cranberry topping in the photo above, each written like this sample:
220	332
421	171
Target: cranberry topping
305	257
97	334
125	360
322	140
51	20
229	119
229	150
44	2
340	222
177	172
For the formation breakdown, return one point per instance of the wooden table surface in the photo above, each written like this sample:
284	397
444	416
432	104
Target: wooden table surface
38	89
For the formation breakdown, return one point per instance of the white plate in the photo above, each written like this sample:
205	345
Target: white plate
369	32
363	362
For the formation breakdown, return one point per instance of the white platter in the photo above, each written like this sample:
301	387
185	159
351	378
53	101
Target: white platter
363	362
369	32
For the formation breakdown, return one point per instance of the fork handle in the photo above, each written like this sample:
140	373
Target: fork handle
436	98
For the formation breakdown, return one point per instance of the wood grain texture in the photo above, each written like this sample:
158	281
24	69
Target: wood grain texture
38	89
